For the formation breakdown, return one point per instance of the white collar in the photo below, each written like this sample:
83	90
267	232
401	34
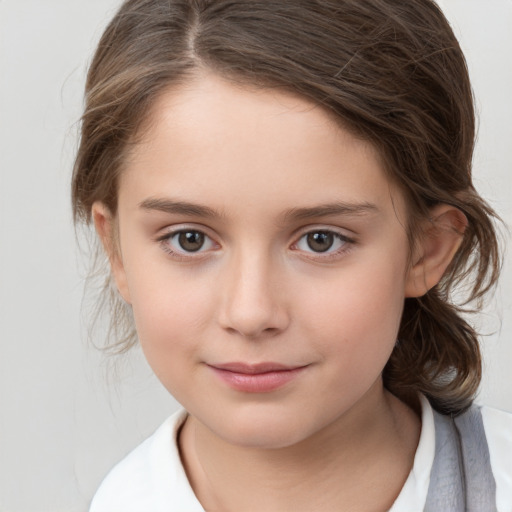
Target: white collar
152	477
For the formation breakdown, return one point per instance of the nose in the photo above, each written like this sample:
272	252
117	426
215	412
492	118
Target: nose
253	303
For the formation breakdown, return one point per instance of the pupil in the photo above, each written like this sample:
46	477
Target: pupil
320	241
191	241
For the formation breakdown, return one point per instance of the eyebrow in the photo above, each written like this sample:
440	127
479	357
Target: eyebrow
171	206
331	210
178	207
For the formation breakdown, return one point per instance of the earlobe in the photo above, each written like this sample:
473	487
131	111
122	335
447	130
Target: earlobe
104	222
436	248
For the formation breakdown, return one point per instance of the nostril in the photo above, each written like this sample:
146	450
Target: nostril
254	334
254	328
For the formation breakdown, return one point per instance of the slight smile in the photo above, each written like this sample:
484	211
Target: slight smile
256	378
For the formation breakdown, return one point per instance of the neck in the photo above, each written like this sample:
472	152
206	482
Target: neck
359	462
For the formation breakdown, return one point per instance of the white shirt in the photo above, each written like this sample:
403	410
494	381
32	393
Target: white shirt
152	479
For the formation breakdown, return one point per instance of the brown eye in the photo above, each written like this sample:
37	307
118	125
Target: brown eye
187	244
320	241
323	243
190	241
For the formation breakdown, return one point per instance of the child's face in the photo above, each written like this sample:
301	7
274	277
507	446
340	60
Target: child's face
253	229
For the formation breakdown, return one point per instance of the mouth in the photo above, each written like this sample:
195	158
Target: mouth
256	378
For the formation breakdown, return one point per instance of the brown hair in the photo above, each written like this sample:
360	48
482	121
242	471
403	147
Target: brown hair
391	71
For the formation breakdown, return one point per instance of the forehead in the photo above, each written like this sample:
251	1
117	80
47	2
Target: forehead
214	141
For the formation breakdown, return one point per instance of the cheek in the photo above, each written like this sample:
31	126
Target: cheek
170	315
355	316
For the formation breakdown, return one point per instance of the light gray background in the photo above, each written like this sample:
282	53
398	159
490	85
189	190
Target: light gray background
63	424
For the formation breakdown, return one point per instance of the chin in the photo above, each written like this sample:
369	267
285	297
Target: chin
264	438
264	430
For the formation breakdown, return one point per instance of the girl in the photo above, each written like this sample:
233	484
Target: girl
283	190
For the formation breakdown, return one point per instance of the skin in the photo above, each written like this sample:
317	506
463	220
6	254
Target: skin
258	168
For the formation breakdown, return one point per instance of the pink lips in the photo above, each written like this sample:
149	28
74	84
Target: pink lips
256	378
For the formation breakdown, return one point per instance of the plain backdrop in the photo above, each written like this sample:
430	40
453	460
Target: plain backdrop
65	417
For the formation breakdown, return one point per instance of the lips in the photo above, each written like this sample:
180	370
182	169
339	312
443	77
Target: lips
253	369
256	378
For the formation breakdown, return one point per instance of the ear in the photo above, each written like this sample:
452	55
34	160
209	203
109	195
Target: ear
436	247
105	225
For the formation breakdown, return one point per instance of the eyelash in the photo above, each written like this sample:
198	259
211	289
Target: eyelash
183	255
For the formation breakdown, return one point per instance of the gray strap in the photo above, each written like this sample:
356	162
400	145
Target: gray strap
446	490
461	479
480	483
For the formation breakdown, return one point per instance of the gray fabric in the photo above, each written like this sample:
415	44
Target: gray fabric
446	489
480	483
461	479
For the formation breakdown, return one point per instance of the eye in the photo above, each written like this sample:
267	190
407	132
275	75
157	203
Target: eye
322	241
190	241
186	241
